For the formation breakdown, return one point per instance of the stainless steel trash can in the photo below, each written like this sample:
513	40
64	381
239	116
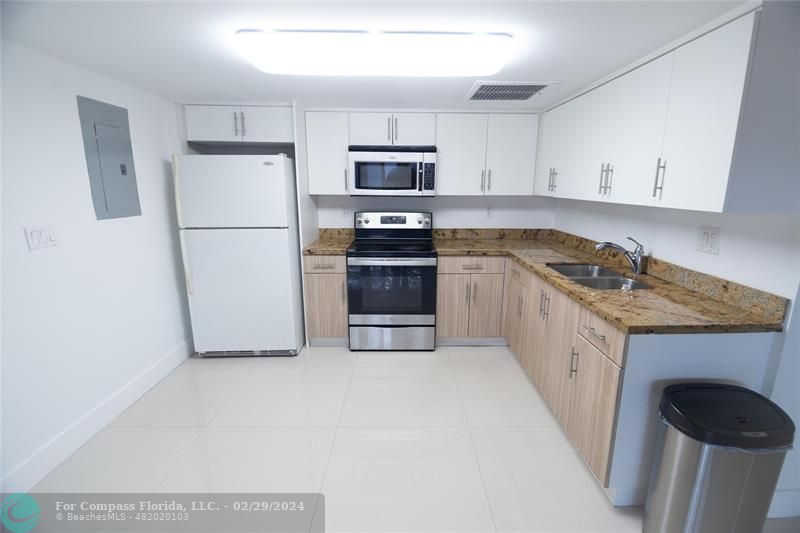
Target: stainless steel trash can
720	450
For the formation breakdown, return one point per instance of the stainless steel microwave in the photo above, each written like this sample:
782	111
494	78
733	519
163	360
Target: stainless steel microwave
391	171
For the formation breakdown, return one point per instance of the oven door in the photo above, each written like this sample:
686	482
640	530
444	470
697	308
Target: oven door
385	174
391	291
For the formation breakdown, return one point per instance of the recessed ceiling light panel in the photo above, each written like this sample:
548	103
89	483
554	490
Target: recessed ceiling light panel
375	53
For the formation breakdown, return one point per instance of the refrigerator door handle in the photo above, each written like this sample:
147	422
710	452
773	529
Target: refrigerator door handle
176	181
187	273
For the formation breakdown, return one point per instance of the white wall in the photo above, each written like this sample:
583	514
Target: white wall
93	322
448	212
761	251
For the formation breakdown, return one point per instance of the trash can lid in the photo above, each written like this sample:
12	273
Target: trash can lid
726	415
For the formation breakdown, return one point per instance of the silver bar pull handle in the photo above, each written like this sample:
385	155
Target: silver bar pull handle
483	179
661	168
244	129
346	185
395	129
489	180
389	129
344	291
235	124
519	306
594	332
471	267
475	292
555	179
602	175
541	302
546	306
324	267
609	177
573	365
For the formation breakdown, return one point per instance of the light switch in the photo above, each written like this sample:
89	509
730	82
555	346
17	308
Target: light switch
40	237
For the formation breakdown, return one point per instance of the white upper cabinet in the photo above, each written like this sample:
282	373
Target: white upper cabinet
511	154
709	126
213	123
267	124
221	123
461	153
485	154
384	129
326	144
708	79
414	129
639	131
371	129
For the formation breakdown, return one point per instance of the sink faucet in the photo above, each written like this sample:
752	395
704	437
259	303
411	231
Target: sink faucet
634	258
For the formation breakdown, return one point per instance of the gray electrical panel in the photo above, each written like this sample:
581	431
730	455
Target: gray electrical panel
109	159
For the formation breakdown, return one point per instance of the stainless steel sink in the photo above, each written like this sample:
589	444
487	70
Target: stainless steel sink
596	277
610	283
572	270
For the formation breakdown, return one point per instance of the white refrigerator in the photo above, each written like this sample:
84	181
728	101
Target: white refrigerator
237	220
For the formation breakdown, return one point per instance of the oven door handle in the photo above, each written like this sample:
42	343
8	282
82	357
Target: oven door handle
420	261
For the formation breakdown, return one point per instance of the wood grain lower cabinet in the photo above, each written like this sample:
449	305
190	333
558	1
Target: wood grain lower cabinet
326	305
593	406
513	314
452	305
469	305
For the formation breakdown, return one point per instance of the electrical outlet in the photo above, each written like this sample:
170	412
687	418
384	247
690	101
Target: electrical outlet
708	240
39	237
489	212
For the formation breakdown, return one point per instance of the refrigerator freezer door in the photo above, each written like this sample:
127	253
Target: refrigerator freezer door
239	285
231	191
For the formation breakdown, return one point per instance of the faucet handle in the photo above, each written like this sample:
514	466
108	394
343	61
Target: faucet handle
637	243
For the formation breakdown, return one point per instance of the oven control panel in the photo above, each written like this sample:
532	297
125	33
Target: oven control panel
378	220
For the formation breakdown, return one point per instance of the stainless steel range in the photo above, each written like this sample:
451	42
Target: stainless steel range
391	282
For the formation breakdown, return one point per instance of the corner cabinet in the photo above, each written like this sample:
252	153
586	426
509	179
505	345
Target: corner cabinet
710	126
238	124
326	299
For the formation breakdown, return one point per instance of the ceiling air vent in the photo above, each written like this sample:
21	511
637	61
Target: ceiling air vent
503	91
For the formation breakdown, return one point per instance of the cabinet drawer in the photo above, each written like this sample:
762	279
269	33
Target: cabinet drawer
471	265
324	264
518	272
602	336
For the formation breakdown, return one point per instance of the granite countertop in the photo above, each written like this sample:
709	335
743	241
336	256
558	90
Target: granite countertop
670	305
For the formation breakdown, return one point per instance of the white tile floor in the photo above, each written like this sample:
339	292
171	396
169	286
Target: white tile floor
453	440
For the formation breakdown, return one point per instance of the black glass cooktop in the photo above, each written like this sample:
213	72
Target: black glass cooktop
391	248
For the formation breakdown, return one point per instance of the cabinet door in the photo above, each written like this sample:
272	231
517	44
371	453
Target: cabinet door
326	305
213	123
546	157
639	131
560	318
371	129
591	416
513	312
531	332
511	154
267	124
461	154
452	305
594	137
486	305
414	129
326	145
704	102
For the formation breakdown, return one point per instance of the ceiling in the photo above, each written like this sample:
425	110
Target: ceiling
182	50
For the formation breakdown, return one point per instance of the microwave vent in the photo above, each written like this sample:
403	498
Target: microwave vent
504	91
